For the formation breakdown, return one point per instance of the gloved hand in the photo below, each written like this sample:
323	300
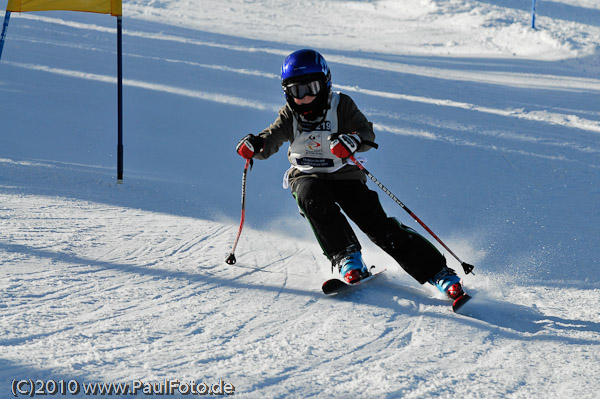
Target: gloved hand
250	145
344	145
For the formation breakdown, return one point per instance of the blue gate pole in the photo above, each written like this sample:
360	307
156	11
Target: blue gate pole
533	15
120	99
4	28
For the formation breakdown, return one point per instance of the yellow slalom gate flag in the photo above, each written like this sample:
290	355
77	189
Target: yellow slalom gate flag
113	7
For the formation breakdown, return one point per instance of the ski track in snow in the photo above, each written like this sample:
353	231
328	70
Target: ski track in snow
116	293
118	283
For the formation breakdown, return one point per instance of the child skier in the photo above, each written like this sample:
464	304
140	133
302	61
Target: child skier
324	128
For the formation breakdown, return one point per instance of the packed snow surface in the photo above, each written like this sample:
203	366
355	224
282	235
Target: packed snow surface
489	131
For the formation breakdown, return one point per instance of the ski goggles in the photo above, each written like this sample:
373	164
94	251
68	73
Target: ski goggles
301	90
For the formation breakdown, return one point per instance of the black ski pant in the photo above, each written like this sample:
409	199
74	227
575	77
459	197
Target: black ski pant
321	202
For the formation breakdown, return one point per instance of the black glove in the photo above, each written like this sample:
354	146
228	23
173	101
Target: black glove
250	145
344	145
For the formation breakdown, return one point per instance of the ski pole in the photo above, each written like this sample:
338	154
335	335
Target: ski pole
230	260
467	267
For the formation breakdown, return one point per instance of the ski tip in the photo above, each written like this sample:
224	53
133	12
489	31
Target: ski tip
459	302
333	286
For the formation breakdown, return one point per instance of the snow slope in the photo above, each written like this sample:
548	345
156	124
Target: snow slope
489	131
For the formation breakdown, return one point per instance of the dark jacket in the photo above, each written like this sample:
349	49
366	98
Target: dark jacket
350	120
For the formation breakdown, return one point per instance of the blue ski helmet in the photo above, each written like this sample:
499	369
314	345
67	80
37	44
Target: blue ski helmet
304	62
302	67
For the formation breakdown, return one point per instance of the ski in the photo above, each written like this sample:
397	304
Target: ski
460	301
335	285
